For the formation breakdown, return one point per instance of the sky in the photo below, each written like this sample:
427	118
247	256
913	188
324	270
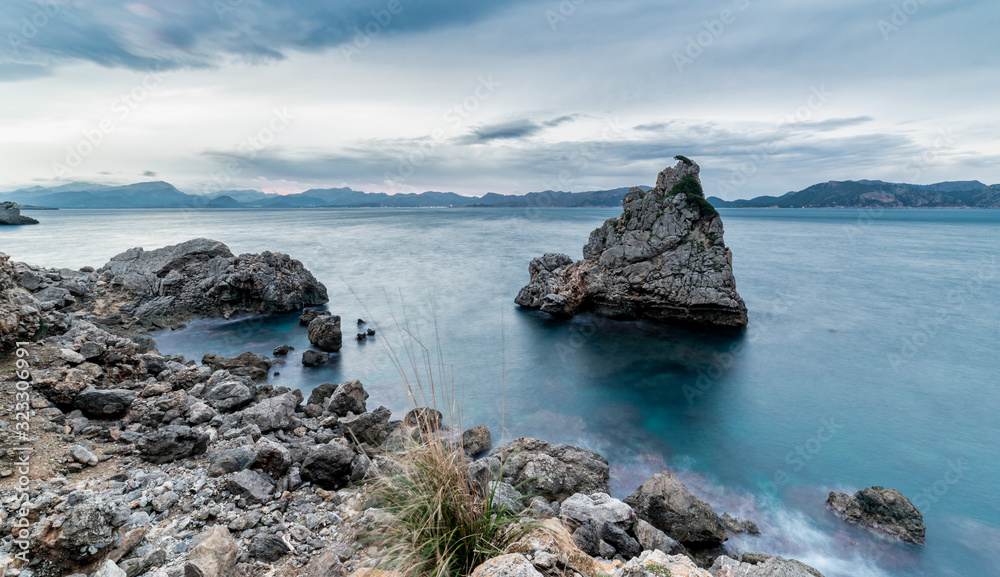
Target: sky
508	96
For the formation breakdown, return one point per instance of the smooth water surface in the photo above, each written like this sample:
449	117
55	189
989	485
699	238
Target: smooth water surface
871	357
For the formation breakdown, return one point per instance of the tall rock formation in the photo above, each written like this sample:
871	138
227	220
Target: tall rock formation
663	259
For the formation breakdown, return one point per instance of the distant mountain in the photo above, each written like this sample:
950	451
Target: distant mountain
877	194
165	195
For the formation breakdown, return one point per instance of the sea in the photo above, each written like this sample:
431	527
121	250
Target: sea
872	356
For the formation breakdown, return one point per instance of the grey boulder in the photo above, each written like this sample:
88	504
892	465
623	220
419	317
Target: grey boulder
665	503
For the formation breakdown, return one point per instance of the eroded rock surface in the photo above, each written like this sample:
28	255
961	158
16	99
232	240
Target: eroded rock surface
664	259
885	510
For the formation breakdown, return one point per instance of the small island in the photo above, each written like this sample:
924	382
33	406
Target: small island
10	213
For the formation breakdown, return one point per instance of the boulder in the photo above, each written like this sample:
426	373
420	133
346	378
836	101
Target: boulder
325	334
552	471
510	565
664	259
214	555
83	456
274	413
232	460
105	403
651	539
328	466
109	569
202	278
347	398
659	564
553	549
367	427
735	525
282	350
267	548
477	440
761	566
321	393
251	365
665	503
315	358
885	510
272	458
308	315
81	529
598	507
171	443
251	485
425	418
226	392
20	317
326	564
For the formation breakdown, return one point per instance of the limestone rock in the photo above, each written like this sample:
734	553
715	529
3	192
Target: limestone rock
325	333
663	259
251	365
105	403
885	510
658	564
214	555
10	214
347	398
328	466
665	503
202	278
171	443
274	413
510	565
314	358
553	471
477	440
762	566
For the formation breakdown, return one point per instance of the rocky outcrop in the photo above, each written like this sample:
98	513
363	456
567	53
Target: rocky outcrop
885	510
759	565
665	503
552	471
10	213
202	278
19	312
663	259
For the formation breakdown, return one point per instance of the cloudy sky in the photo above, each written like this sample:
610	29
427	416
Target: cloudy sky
509	96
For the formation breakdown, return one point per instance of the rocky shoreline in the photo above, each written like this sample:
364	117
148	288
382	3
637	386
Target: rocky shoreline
151	464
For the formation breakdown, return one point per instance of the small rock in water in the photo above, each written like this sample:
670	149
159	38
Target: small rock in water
277	373
361	321
282	350
314	358
362	336
371	332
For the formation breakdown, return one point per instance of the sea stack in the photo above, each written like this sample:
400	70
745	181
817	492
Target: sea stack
664	259
10	213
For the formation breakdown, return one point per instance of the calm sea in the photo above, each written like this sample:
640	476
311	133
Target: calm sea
871	357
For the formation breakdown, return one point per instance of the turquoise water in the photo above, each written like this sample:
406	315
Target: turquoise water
871	357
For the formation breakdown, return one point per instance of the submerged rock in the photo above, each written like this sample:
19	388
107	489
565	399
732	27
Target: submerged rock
885	510
315	358
663	259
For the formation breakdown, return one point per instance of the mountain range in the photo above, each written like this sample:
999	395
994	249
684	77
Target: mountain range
165	195
877	194
833	194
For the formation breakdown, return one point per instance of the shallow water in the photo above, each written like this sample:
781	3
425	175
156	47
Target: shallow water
871	357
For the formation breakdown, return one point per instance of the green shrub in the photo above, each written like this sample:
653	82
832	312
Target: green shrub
683	159
691	189
658	569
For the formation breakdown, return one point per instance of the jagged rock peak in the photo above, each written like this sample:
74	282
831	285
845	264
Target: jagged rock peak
663	259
